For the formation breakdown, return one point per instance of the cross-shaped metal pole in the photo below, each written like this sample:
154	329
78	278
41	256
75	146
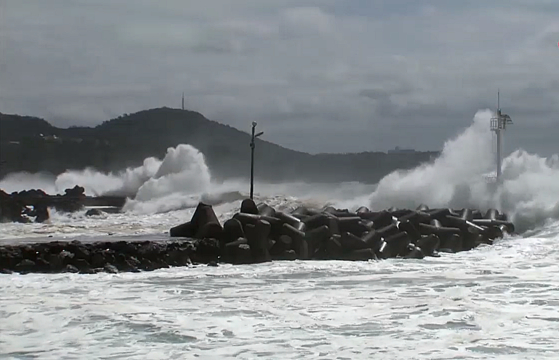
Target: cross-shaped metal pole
252	146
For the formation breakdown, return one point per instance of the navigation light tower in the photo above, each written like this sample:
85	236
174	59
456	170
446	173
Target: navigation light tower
499	124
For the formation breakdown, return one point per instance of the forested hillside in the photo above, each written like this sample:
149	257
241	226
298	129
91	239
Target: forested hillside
32	144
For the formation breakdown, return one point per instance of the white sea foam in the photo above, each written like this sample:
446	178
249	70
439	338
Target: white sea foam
497	302
529	192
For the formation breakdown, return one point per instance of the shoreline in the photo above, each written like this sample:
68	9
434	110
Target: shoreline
85	239
259	233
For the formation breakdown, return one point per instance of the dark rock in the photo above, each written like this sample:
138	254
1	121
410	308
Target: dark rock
409	228
452	243
234	254
334	247
257	236
146	265
414	252
427	229
205	222
381	218
316	221
111	269
175	257
42	265
124	247
492	214
252	219
438	213
265	210
134	262
94	212
66	257
98	259
362	210
29	252
289	219
428	244
373	240
26	265
55	262
388	231
395	245
300	244
89	271
232	230
352	225
76	191
359	255
301	212
81	264
70	269
249	207
41	213
147	250
229	251
269	234
317	238
351	242
205	250
288	255
244	255
183	230
9	257
283	244
467	214
79	250
55	247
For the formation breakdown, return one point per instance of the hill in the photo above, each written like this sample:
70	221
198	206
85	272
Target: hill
32	144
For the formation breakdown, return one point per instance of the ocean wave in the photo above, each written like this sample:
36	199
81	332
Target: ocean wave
529	192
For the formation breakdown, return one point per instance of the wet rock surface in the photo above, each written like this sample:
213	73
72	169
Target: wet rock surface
33	205
263	234
111	257
259	233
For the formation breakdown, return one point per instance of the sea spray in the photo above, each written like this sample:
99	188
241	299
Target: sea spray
529	191
460	166
19	181
183	169
123	183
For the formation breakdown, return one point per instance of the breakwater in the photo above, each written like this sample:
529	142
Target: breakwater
33	205
260	233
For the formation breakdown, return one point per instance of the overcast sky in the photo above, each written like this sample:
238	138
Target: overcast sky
317	75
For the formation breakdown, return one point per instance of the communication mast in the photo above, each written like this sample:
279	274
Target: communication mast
499	124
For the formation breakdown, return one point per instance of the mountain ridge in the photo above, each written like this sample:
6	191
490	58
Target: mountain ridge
33	144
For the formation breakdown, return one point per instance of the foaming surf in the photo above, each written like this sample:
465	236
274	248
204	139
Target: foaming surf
529	191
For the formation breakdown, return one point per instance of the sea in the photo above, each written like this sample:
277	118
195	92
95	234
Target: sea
493	302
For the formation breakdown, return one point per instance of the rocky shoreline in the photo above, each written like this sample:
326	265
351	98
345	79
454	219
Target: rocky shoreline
259	233
33	205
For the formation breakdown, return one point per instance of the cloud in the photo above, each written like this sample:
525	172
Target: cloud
318	75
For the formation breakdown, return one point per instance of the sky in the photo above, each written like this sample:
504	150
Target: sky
317	75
